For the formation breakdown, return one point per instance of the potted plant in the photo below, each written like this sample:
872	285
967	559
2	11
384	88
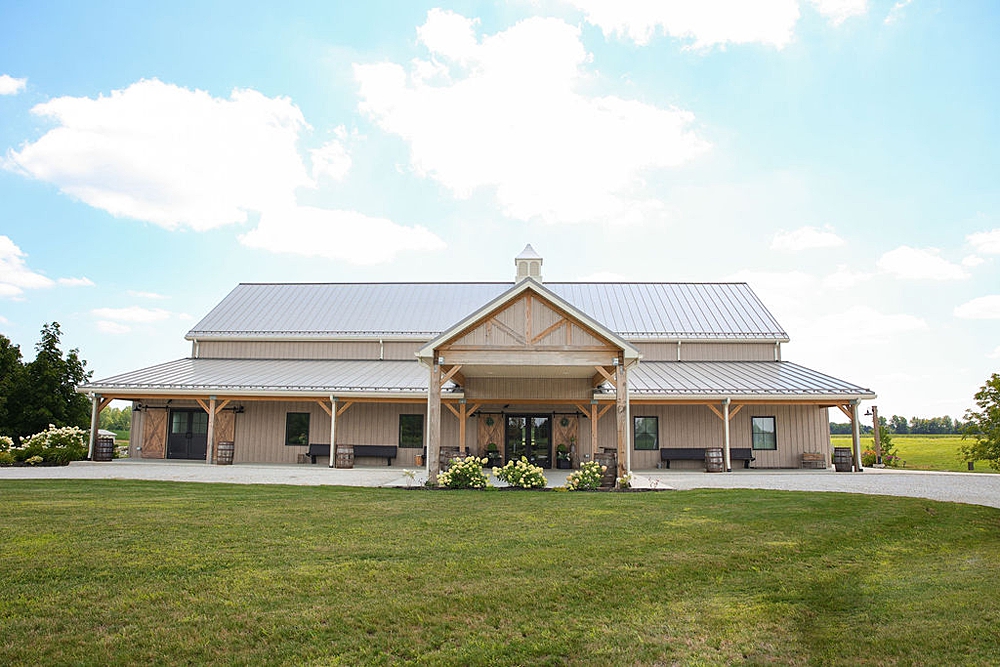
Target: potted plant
493	455
564	460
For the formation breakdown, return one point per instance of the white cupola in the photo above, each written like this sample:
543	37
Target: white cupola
529	264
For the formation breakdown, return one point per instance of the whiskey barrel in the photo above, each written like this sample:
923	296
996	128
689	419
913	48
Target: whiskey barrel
609	459
842	459
345	456
225	457
104	449
445	457
714	461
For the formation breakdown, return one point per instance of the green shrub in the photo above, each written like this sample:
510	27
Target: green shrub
464	473
521	475
587	478
6	458
56	446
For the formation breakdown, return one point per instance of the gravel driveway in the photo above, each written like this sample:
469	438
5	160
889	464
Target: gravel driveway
961	487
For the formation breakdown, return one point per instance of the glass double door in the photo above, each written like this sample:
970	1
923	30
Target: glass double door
188	437
529	436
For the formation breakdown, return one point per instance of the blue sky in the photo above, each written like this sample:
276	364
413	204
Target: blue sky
838	155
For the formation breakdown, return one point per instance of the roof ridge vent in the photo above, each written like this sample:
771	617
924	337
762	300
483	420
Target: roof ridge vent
529	264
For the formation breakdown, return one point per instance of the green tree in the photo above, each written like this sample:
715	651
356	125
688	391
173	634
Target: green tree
11	369
114	419
45	391
899	424
983	425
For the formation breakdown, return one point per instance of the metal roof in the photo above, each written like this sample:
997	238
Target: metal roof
706	311
271	375
736	379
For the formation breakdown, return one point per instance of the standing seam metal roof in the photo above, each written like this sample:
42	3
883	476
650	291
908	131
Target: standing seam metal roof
707	311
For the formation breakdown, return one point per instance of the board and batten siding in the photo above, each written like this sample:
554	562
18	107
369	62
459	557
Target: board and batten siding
510	389
305	350
707	351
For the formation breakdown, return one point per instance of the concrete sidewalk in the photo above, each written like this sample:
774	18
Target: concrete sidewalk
973	488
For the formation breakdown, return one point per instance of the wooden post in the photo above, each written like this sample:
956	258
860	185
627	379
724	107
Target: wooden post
621	410
878	435
593	430
211	429
725	442
434	422
461	427
856	436
333	430
95	418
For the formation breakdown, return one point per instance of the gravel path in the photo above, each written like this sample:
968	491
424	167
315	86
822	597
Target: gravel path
961	487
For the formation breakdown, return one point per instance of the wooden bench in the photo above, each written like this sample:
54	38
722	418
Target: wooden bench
668	454
388	451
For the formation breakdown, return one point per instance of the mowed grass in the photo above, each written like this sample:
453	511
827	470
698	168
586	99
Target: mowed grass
116	572
922	452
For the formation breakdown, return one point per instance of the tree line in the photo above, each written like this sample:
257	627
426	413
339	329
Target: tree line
42	391
900	425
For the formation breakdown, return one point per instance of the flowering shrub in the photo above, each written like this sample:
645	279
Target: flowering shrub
625	482
464	473
6	443
521	475
57	446
587	478
868	458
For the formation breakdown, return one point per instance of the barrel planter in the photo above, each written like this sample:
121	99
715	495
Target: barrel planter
445	457
225	453
104	449
714	461
345	456
609	459
842	459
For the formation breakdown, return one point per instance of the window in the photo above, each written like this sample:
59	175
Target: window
411	431
646	433
762	431
297	429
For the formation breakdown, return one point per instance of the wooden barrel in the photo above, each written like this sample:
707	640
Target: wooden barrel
714	461
104	449
225	454
445	457
609	459
842	459
345	456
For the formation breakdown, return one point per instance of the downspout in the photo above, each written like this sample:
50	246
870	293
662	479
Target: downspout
95	401
196	348
381	350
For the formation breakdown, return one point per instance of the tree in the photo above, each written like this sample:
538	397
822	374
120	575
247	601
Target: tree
899	424
44	392
11	369
984	425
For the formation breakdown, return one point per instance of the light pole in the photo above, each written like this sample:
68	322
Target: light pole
873	413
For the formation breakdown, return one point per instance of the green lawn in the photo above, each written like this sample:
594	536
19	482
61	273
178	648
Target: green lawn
116	572
922	452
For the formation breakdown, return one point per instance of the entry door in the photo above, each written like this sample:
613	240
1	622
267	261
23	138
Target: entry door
529	436
188	438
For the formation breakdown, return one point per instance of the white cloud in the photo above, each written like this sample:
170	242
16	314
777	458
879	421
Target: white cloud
919	264
897	11
838	11
112	327
331	159
995	354
861	325
707	23
344	235
146	295
972	261
844	278
168	155
11	86
982	308
15	276
805	238
76	282
132	314
504	112
987	243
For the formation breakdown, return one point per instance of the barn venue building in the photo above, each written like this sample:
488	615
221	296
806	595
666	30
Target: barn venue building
561	373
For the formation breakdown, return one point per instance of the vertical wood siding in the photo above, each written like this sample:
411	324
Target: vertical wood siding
306	350
507	389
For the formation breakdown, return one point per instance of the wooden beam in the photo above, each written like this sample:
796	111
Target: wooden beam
593	430
732	413
507	330
211	429
450	374
104	403
202	404
607	376
461	428
452	408
343	408
549	329
569	333
327	409
605	409
434	423
473	410
585	411
527	319
222	406
714	409
621	421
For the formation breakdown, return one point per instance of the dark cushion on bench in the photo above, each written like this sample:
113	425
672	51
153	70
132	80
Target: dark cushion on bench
669	454
388	451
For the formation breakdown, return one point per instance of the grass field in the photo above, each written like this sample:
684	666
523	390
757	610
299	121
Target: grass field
116	572
922	452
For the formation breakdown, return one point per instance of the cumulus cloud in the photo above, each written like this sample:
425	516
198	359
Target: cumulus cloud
919	264
15	276
972	261
168	155
331	159
11	86
145	295
76	282
863	324
113	328
805	238
982	308
986	243
135	314
838	11
504	112
844	278
343	235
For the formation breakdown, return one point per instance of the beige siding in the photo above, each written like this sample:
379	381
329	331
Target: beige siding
305	350
707	351
508	389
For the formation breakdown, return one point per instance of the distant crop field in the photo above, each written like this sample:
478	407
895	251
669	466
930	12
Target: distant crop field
922	452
